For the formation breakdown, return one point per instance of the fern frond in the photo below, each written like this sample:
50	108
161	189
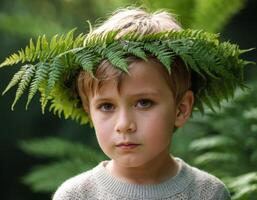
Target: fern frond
44	50
44	99
24	82
38	178
53	147
134	49
55	72
16	78
207	143
93	40
250	114
64	105
74	158
41	74
229	88
87	59
14	59
150	37
69	39
199	105
214	157
29	51
212	96
194	35
216	93
164	55
53	42
115	54
207	100
78	42
180	49
57	45
205	58
243	186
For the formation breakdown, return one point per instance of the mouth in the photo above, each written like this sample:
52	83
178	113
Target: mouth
127	145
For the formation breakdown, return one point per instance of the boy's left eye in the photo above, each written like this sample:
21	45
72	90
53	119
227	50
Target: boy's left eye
106	107
144	103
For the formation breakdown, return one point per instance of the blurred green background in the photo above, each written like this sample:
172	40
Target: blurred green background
39	151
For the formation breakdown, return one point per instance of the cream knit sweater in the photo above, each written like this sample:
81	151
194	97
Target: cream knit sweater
97	184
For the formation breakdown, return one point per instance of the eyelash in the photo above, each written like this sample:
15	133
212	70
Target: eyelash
148	101
101	106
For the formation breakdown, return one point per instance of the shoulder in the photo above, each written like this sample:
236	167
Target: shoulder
206	185
210	186
77	187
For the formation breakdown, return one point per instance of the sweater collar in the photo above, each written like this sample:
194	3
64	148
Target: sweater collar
167	188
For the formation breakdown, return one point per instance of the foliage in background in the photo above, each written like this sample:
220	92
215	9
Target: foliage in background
225	144
30	18
68	159
198	14
57	16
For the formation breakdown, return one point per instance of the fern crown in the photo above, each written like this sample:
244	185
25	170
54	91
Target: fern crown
51	66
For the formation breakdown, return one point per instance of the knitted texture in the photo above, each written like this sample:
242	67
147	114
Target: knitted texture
190	183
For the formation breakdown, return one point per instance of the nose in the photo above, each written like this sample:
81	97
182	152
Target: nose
125	123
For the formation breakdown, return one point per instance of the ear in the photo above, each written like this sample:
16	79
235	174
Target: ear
184	108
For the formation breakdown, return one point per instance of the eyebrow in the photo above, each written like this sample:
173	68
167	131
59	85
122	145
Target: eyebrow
101	99
150	93
140	94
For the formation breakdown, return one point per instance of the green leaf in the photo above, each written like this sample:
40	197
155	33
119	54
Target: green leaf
16	78
115	54
211	158
41	75
38	178
56	70
211	142
24	82
134	49
87	59
59	148
164	54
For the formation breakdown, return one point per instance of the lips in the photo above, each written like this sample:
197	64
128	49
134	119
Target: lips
127	145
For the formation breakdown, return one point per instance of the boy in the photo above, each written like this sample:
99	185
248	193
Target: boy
137	77
134	117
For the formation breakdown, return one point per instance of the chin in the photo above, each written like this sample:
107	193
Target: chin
130	162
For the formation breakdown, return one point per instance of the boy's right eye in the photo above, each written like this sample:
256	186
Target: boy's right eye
106	107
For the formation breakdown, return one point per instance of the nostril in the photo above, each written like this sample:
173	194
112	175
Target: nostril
128	128
132	128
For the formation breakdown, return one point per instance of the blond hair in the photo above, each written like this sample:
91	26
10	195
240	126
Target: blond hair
138	21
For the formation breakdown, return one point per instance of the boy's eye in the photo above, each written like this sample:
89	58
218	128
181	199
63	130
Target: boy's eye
144	103
106	107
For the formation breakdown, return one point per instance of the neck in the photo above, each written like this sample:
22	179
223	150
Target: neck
152	172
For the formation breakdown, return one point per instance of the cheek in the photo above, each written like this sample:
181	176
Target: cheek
158	126
159	119
103	139
103	129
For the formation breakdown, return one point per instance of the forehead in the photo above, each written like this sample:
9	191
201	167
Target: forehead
143	76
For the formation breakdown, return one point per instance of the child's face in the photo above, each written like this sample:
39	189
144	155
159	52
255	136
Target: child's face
134	125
